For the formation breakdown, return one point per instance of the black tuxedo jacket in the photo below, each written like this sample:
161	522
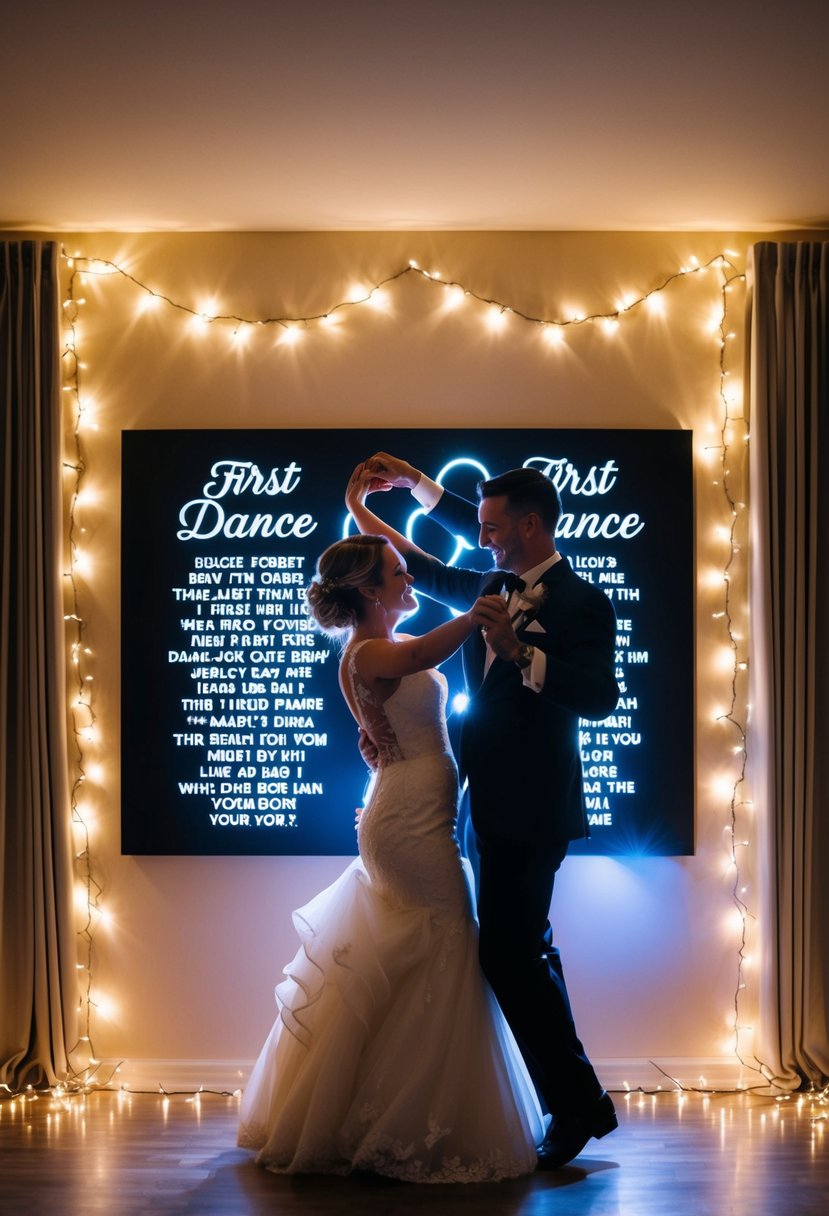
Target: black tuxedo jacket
519	749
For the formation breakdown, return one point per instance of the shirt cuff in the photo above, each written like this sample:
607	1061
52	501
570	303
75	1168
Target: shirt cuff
534	675
427	492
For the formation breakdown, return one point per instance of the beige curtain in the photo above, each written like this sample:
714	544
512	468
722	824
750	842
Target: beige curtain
38	976
789	737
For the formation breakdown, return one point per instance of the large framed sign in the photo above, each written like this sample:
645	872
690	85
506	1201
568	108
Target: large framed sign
235	737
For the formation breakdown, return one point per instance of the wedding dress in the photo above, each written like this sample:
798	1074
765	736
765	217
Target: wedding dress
389	1052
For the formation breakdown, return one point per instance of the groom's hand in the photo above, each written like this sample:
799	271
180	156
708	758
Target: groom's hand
361	483
490	613
393	471
368	749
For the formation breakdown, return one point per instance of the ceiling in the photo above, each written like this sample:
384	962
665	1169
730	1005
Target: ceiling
461	114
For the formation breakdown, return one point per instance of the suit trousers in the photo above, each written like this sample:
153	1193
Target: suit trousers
524	969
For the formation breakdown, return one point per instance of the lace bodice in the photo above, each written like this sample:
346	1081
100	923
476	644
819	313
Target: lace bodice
408	724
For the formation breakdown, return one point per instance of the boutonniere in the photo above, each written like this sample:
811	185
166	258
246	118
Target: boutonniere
529	601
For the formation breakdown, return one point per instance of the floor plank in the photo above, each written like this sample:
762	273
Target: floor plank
673	1155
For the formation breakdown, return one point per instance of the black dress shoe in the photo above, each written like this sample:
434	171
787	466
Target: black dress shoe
568	1136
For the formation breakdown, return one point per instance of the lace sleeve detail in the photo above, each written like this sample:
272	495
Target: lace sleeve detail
372	715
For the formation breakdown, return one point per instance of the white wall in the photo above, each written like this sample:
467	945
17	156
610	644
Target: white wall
193	946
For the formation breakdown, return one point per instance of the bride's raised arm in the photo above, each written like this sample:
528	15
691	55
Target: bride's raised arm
364	481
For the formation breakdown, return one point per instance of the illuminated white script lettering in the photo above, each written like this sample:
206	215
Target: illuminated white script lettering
205	518
565	476
202	519
244	477
599	479
608	527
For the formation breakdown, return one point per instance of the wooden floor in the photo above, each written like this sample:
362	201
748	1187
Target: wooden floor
674	1154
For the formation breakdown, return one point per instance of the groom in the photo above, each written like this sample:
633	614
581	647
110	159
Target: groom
544	658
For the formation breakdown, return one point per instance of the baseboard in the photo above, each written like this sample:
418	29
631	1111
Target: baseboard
617	1075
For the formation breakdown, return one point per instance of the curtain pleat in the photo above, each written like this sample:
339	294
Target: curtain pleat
38	945
789	353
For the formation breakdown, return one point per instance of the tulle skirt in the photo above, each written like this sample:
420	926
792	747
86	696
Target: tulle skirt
389	1052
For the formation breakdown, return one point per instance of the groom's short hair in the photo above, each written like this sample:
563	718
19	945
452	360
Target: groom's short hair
525	490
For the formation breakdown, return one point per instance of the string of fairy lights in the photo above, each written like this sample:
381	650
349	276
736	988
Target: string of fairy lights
733	429
82	716
729	454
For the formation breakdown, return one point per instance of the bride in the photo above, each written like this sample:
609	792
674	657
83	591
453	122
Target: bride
389	1052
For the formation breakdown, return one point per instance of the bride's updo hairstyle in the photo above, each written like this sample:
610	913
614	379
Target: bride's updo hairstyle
334	597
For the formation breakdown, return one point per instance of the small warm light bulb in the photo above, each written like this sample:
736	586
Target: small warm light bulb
87	496
291	336
655	303
82	562
98	266
553	335
725	658
722	787
496	318
105	1007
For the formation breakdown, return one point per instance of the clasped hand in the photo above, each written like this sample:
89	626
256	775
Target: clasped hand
491	614
362	482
